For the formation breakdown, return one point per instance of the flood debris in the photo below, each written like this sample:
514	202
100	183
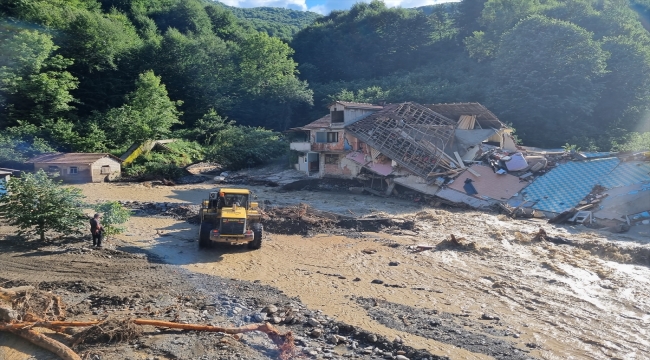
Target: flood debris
31	309
462	155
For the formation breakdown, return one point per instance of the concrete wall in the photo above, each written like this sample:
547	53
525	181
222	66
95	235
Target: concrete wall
115	169
351	115
337	146
85	173
344	168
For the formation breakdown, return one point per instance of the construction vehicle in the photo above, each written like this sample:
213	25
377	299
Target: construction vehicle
229	216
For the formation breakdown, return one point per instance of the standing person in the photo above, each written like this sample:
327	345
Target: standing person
96	229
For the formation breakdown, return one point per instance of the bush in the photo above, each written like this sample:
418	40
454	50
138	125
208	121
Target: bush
113	215
37	204
241	146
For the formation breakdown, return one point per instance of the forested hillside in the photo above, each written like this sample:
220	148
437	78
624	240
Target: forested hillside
573	71
87	75
277	22
100	75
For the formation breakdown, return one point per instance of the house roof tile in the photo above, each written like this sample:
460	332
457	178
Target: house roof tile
70	158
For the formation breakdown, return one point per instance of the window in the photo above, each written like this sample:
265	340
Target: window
73	170
105	169
332	159
327	137
53	169
337	116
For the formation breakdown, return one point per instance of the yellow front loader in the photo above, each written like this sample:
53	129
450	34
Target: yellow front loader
229	216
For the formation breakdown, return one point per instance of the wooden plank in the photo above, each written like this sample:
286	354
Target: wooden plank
460	161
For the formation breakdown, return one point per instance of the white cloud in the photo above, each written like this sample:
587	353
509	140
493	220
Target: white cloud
330	5
326	5
291	4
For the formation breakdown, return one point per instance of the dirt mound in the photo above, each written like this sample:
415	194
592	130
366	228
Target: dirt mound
304	220
187	212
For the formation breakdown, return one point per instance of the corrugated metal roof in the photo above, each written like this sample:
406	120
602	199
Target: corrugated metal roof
70	158
483	116
627	173
565	186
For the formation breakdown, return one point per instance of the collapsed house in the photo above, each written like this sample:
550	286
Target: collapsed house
462	154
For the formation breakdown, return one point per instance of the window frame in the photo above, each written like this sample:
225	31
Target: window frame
101	170
73	170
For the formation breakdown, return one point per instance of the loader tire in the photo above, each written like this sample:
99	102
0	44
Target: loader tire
204	235
257	236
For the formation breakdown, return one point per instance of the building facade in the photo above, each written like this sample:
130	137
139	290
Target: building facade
79	167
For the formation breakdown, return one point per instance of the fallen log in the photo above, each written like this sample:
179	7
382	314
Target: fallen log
285	342
43	341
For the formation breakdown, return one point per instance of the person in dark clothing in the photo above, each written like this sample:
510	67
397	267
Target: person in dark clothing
96	230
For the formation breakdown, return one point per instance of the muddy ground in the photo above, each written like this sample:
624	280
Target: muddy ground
494	292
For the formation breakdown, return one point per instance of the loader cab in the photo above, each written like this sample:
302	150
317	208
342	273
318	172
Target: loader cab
226	198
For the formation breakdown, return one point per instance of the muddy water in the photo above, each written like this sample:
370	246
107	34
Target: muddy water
562	301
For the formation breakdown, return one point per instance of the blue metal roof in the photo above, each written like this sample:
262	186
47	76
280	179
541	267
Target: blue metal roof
566	185
627	173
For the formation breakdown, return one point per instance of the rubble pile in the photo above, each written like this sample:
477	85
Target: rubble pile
179	211
304	220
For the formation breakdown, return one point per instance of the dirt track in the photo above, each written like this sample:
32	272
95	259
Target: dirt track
494	295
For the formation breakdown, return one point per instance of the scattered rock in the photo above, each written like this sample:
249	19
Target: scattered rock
393	263
377	281
487	316
316	333
270	309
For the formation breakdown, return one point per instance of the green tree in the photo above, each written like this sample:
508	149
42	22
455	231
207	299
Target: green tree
113	216
238	147
34	80
547	74
147	115
37	204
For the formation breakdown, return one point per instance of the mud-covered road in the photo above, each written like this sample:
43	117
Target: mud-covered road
496	293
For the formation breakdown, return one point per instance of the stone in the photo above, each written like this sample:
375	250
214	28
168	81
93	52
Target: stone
276	320
372	338
487	316
357	279
393	263
401	357
270	309
313	322
316	333
333	339
397	340
377	281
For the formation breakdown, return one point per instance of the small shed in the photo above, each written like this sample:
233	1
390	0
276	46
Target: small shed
79	167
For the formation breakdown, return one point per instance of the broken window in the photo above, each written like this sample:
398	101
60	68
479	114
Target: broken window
337	116
327	137
332	137
332	159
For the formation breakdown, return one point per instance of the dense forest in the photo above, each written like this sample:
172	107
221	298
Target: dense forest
100	75
574	71
277	22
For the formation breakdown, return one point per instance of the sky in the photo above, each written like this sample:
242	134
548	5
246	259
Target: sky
325	6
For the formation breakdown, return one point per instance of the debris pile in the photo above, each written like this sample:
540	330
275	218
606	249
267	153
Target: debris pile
179	211
303	219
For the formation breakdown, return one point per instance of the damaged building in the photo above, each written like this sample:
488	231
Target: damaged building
462	154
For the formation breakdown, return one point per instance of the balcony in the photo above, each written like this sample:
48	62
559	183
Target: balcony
300	146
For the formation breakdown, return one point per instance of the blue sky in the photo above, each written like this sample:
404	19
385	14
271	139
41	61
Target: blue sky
324	6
